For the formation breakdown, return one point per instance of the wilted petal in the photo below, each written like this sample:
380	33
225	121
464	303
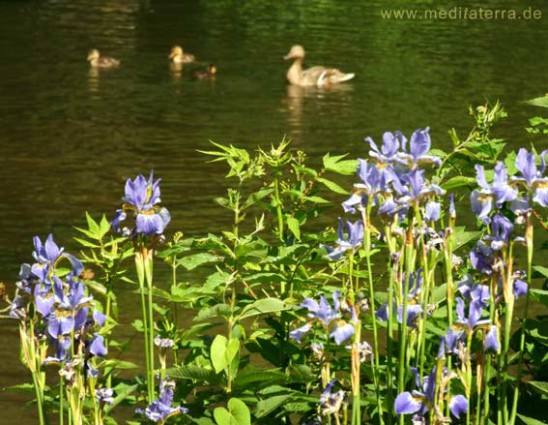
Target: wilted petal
405	404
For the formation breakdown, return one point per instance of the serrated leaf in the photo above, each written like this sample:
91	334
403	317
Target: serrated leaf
263	306
338	165
294	226
332	186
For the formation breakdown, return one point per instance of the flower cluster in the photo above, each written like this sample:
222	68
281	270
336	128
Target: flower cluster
160	410
62	305
142	199
329	317
393	179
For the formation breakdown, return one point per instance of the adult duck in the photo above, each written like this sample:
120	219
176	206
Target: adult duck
319	76
177	55
97	61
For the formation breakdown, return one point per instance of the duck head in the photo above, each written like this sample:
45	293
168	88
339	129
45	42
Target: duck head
93	54
176	52
296	52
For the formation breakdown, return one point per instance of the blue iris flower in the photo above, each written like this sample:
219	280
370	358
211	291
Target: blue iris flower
142	197
499	192
532	176
329	317
344	244
160	410
419	146
419	401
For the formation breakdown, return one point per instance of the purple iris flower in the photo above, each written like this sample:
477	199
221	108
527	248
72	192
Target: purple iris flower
344	244
44	299
520	288
375	180
491	340
416	187
419	146
419	401
329	317
47	255
390	146
432	211
449	344
97	346
474	291
500	191
532	177
482	258
475	311
160	410
413	310
143	198
501	229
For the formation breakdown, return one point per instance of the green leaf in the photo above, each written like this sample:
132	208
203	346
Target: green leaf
237	413
539	386
530	421
538	101
193	372
268	377
268	405
294	226
458	181
542	270
192	261
122	392
540	295
332	186
338	165
219	310
462	236
218	353
263	306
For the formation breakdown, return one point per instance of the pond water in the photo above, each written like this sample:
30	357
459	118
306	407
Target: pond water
70	137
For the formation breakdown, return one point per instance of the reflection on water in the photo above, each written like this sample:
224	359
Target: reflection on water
70	136
314	102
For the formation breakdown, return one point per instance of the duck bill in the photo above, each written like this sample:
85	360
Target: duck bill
288	56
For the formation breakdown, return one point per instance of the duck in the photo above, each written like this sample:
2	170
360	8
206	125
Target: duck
318	76
208	73
97	61
178	56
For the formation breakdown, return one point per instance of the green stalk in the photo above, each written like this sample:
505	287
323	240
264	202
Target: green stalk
529	242
409	262
140	267
366	215
389	333
148	278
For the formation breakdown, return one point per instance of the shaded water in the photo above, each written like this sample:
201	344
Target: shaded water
70	137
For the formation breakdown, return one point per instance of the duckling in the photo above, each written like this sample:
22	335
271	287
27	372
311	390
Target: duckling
209	73
316	76
178	56
97	61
